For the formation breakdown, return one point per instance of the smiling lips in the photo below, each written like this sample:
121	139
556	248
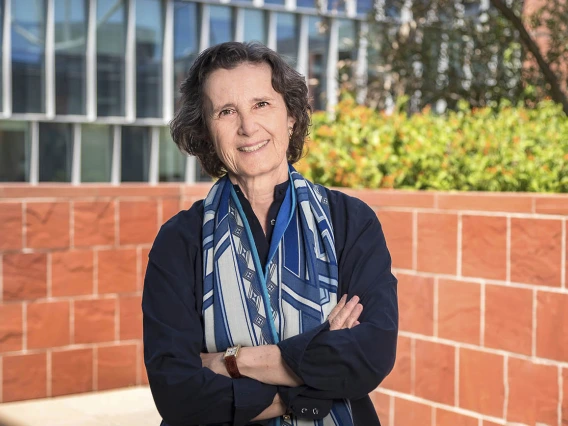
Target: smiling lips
253	148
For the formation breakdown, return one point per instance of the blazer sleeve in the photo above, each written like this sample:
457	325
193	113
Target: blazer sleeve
186	393
351	363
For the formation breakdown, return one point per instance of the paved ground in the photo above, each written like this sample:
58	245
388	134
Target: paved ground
124	407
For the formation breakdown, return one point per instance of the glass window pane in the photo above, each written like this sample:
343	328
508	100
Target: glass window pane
186	41
55	152
317	59
274	2
221	25
96	153
70	56
1	53
172	161
14	151
28	56
287	37
135	154
111	50
347	45
364	6
255	26
306	3
336	5
149	41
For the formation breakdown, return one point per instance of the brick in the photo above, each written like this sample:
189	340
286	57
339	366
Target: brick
94	223
481	382
416	304
437	243
170	207
435	371
496	201
48	324
397	227
449	418
11	328
116	367
381	402
24	377
533	393
399	378
130	317
384	197
552	320
564	412
553	204
25	276
138	222
508	318
484	247
117	271
144	265
410	413
459	311
94	320
488	423
72	372
71	273
11	225
47	225
536	251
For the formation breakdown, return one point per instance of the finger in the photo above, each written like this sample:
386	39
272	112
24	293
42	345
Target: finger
337	308
356	323
354	316
338	322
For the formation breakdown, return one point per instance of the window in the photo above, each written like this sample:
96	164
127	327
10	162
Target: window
135	154
70	56
96	153
347	45
221	24
274	2
186	41
14	151
255	25
149	47
306	3
55	152
317	62
28	56
111	51
172	161
364	6
336	5
287	37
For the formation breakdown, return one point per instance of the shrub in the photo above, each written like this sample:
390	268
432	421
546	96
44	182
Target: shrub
504	149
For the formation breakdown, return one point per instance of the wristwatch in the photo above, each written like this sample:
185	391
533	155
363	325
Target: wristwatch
230	358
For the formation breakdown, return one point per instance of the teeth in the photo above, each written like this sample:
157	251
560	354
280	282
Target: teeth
253	148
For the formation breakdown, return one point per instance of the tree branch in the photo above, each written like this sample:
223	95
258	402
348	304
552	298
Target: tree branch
556	92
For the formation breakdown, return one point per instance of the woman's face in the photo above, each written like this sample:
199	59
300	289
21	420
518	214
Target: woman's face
248	121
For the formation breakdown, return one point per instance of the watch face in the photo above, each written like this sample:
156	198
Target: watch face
231	351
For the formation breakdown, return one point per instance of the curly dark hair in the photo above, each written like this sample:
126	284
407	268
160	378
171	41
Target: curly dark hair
189	127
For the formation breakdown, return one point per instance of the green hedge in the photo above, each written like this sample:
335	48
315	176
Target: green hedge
507	149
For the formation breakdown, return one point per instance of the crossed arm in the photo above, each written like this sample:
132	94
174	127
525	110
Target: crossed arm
265	363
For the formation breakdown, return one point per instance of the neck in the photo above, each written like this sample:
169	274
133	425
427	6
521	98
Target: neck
259	191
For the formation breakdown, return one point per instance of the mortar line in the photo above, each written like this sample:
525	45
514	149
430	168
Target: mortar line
506	385
48	378
560	395
391	410
95	368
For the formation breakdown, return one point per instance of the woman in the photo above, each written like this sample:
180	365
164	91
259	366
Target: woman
272	301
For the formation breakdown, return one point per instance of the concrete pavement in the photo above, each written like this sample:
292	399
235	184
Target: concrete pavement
123	407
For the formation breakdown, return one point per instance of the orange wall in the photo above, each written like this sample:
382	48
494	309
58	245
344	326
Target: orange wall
483	297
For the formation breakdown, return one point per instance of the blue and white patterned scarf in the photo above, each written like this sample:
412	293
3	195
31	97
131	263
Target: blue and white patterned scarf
251	304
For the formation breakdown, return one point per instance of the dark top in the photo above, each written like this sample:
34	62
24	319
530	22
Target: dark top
333	364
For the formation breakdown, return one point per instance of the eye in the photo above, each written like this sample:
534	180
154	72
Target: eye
225	112
262	104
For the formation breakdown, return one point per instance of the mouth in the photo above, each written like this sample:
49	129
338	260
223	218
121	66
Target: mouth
253	148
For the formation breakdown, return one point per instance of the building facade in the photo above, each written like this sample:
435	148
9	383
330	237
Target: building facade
89	86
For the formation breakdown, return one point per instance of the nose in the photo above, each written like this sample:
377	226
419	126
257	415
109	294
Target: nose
248	124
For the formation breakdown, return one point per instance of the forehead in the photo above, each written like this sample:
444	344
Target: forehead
245	81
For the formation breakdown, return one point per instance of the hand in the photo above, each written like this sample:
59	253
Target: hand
214	362
345	314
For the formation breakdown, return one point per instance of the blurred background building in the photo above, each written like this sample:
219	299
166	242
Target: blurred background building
89	86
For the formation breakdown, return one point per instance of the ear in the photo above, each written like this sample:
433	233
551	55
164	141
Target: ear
291	121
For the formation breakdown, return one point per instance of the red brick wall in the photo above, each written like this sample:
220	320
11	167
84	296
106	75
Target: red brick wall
483	298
